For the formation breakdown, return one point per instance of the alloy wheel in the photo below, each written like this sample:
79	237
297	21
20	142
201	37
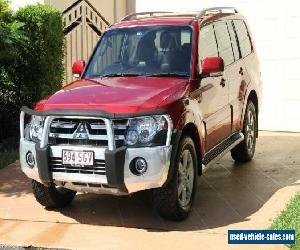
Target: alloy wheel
250	132
185	178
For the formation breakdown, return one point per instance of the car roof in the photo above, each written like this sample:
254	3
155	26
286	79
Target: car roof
181	21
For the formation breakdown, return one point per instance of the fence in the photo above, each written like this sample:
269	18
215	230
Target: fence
83	27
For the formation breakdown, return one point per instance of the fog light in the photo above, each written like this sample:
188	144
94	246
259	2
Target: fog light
30	159
138	166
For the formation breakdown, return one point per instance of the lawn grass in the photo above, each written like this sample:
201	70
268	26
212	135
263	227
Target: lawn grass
7	158
290	219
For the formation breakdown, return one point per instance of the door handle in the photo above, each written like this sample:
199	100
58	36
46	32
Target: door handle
222	83
241	71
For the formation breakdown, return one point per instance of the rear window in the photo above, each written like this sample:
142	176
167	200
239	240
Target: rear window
243	37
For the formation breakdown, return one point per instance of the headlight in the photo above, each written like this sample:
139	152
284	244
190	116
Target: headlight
34	129
147	131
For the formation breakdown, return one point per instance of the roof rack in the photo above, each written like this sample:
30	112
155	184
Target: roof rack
153	13
216	10
168	13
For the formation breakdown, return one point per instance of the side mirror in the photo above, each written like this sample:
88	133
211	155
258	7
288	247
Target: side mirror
213	66
78	68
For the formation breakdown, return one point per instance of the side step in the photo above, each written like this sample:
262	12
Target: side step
216	153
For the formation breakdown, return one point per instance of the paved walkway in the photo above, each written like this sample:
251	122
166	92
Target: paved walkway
248	196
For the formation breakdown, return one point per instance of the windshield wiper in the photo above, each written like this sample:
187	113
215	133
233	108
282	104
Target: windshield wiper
168	75
119	75
145	75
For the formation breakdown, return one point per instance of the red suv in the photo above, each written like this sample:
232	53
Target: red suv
162	98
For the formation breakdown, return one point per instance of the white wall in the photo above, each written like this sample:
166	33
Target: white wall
15	4
275	25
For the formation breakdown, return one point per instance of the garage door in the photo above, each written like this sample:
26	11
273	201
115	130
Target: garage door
276	29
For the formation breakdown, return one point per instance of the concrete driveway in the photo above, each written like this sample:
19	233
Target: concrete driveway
229	196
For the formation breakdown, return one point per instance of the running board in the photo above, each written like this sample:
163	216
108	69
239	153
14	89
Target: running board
217	152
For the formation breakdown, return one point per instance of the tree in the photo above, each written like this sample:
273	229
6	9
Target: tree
11	38
10	33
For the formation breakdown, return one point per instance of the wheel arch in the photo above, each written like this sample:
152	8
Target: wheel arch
254	98
191	130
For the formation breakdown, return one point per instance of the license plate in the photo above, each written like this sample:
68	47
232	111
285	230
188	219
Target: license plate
82	158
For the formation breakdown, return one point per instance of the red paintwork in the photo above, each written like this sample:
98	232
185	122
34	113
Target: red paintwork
212	65
212	110
78	67
178	21
116	95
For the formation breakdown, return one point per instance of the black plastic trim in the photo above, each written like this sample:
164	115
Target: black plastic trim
220	148
91	113
175	143
42	163
114	162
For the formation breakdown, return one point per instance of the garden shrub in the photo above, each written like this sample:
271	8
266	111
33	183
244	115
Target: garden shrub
11	38
40	68
31	60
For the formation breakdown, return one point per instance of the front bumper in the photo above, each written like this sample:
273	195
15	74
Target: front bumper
118	178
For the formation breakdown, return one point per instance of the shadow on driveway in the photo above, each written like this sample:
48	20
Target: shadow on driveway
227	193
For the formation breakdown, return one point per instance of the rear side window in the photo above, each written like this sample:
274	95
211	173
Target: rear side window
224	42
207	43
234	42
243	37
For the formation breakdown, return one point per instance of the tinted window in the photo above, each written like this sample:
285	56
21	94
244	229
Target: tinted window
207	43
224	43
234	43
242	34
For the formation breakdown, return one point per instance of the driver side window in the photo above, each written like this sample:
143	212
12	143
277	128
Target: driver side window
207	45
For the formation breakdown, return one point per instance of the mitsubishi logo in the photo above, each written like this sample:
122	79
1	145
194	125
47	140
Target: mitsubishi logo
81	132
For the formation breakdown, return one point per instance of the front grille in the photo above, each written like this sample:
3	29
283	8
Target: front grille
85	132
56	166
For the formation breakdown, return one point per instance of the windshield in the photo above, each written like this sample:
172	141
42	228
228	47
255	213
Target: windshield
143	51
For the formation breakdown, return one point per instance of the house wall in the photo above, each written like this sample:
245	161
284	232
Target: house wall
275	28
112	10
15	4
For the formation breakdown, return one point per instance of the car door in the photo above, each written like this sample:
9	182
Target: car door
237	75
214	105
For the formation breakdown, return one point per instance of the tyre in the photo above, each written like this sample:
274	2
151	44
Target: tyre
174	201
52	196
244	151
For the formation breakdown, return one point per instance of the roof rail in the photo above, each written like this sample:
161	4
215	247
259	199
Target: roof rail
135	15
168	13
218	10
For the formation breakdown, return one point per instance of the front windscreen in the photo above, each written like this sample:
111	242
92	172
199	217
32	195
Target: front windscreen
145	51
